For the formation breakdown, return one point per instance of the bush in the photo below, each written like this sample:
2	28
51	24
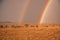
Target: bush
26	25
1	26
36	25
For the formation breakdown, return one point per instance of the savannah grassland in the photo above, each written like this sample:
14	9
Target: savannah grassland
15	31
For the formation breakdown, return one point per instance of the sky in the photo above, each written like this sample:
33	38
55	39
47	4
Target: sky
52	14
28	11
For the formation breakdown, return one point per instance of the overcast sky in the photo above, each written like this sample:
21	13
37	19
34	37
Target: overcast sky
53	13
11	10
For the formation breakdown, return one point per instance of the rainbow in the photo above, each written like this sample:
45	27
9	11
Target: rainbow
44	11
24	10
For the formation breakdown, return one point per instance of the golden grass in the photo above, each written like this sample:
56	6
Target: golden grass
42	32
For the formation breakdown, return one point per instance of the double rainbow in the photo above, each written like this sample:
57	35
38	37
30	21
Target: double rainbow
43	14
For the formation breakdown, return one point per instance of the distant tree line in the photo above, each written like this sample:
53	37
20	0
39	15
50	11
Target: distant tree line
18	26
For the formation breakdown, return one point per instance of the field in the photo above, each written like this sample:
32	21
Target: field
14	31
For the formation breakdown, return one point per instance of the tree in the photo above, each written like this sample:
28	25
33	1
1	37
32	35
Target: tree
1	26
36	25
13	26
26	25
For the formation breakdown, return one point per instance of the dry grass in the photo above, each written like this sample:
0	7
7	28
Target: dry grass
44	32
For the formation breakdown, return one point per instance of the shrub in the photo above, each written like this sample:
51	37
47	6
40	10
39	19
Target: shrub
1	26
26	25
